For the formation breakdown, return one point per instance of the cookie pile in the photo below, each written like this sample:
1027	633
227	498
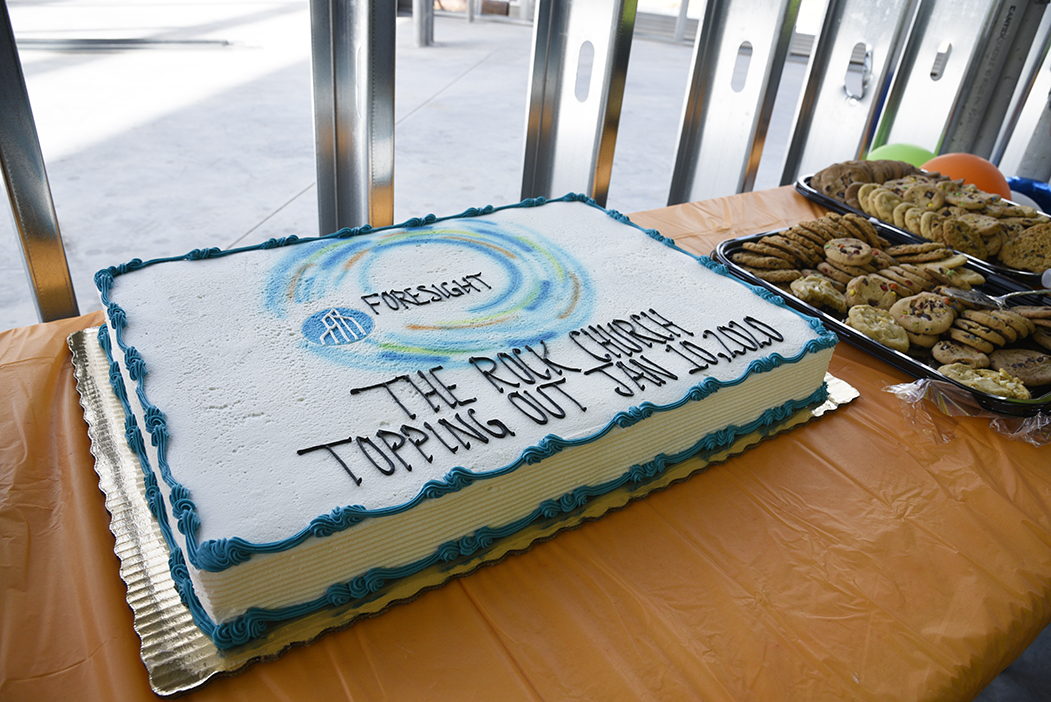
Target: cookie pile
895	296
845	254
837	179
947	211
954	336
784	256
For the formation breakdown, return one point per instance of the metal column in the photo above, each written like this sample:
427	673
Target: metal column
851	68
352	47
1024	146
579	65
27	188
957	74
422	22
1026	151
738	57
525	10
986	98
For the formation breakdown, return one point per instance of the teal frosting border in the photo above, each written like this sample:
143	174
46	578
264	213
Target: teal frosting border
217	555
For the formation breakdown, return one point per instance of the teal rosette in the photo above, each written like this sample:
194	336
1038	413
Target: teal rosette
365	585
338	595
180	501
448	552
239	632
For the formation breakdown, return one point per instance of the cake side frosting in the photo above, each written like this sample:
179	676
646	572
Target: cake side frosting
737	344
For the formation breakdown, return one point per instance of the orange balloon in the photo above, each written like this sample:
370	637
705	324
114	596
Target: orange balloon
972	169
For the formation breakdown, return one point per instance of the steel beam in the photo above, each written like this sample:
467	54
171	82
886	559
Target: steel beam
738	57
352	53
958	71
422	22
23	169
852	66
1024	148
578	70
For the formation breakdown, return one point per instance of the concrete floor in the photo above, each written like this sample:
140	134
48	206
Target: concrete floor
200	133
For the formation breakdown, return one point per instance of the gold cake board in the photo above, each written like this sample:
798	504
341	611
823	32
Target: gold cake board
180	657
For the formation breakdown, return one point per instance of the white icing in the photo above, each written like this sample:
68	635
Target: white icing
245	386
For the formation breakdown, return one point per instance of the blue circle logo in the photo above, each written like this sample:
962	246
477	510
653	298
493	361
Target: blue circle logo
337	326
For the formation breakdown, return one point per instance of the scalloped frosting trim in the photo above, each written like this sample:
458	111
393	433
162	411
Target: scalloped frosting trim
254	623
220	554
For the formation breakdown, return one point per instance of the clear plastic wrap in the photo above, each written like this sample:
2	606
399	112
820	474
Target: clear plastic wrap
953	401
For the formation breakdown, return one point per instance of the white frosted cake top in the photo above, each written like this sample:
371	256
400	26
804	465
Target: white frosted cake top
311	378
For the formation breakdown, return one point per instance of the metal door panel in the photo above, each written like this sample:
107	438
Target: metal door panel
727	109
578	69
836	119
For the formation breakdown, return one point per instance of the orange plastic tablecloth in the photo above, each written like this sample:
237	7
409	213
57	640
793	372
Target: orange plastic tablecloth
853	558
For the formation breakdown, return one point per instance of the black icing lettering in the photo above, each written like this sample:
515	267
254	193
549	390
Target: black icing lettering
411	298
415	295
740	335
727	356
433	391
370	303
709	359
727	333
656	318
606	341
328	447
558	368
478	278
546	375
452	449
494	427
517	368
624	340
739	328
436	296
426	395
624	327
417	437
637	319
463	430
557	412
516	398
387	386
621	388
454	400
771	333
451	400
635	375
362	442
387	437
557	385
489	373
403	298
655	370
573	337
455	292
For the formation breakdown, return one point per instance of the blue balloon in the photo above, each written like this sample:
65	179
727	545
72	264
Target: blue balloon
1039	192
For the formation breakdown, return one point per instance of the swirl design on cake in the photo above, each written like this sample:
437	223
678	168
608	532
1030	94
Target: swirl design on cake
531	290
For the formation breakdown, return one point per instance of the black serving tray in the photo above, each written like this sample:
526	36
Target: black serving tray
1030	279
995	285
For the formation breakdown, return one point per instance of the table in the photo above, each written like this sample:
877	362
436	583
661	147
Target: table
857	557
